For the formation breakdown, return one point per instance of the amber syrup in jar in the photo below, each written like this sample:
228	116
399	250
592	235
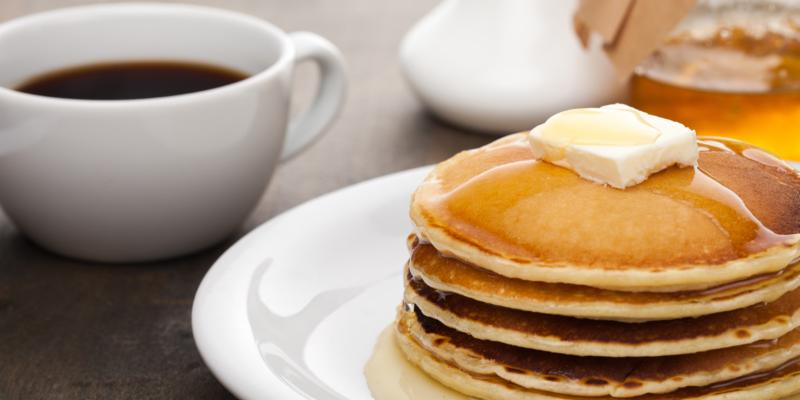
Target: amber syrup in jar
731	68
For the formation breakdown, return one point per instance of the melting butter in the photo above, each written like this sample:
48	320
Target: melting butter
614	145
391	377
599	126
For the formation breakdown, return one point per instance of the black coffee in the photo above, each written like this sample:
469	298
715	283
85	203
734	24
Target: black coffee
130	80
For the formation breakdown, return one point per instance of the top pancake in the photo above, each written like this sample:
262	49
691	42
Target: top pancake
735	215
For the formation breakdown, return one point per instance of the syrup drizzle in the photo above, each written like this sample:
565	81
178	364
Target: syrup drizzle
748	151
391	377
758	376
735	217
739	283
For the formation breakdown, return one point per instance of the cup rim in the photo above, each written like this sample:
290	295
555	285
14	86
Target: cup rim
285	57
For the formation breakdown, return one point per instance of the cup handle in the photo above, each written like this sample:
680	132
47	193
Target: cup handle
306	127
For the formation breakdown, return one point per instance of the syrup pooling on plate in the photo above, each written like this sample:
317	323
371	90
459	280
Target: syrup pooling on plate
391	377
510	203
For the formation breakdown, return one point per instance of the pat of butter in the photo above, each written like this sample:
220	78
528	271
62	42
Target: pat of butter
615	145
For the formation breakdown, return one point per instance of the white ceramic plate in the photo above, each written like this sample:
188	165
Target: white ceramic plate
293	309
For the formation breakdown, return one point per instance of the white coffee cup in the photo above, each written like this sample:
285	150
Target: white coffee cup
139	180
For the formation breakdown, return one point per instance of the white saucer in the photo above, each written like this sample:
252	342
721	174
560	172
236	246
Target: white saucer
293	309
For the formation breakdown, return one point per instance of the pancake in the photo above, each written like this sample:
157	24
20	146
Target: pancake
597	376
727	374
451	275
735	215
585	337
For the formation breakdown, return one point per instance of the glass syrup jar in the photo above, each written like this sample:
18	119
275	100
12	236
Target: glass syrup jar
730	68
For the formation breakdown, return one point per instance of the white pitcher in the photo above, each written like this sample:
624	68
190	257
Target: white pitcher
504	65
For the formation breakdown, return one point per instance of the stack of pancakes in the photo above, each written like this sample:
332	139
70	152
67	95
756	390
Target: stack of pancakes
527	282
